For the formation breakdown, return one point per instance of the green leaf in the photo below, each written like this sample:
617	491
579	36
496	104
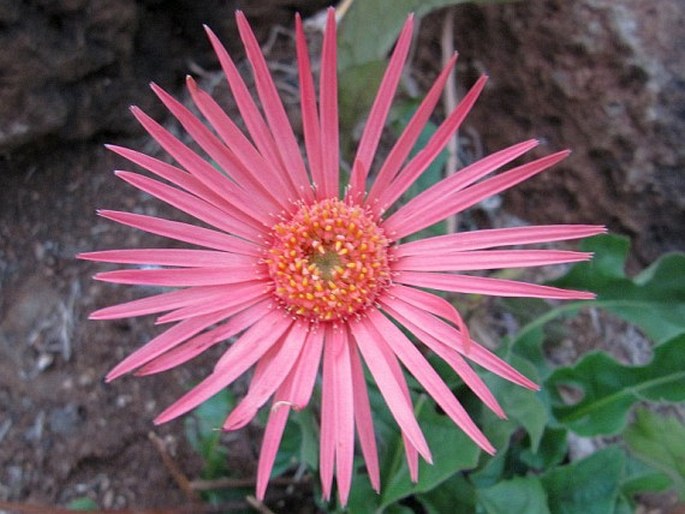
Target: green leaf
654	300
203	431
639	477
609	389
455	494
452	451
84	503
660	442
520	495
369	28
589	486
551	451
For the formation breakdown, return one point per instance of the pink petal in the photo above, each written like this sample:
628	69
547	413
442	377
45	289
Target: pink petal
164	342
274	111
435	145
182	277
198	344
238	358
169	257
327	435
328	99
451	338
430	213
171	173
408	138
256	126
428	378
436	195
430	303
219	152
234	294
488	238
307	368
448	354
158	303
264	172
364	421
487	286
338	346
310	115
488	259
270	377
201	169
184	232
369	344
379	112
278	416
232	222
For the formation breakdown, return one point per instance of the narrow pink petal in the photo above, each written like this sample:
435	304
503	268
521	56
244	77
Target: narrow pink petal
182	277
369	344
159	302
199	168
489	238
328	91
437	194
310	115
230	296
364	421
198	344
184	232
256	126
379	112
273	433
448	354
262	171
164	342
488	259
435	145
487	286
430	213
307	368
274	110
232	222
338	345
327	435
410	451
219	153
431	303
169	257
238	358
270	376
409	136
450	337
428	378
171	173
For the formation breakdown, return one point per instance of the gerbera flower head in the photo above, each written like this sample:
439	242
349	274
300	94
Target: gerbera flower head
311	282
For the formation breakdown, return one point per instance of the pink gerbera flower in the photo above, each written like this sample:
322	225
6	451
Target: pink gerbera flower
303	277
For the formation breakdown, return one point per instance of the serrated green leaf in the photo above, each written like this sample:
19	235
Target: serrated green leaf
609	389
520	495
589	486
660	442
452	450
654	299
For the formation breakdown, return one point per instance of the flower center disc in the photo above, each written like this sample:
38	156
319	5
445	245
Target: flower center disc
329	261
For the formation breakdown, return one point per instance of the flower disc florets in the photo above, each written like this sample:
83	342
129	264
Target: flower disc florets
329	261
